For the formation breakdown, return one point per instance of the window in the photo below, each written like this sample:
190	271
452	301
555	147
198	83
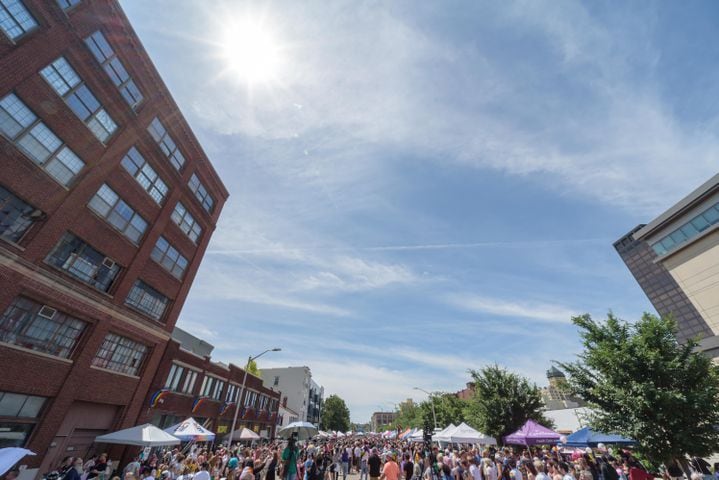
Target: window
170	259
145	175
84	262
173	379
119	214
38	327
189	383
20	413
120	354
250	398
15	20
65	81
263	402
146	299
67	4
166	144
688	230
16	216
277	381
231	393
187	223
217	391
38	142
112	65
201	193
208	386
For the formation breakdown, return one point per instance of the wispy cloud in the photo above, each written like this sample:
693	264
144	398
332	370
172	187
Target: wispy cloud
509	308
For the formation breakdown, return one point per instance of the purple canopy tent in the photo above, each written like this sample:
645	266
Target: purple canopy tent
532	433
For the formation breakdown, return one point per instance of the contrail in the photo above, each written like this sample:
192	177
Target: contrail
429	246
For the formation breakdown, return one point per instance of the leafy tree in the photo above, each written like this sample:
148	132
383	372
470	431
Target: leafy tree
335	415
642	384
252	368
449	409
502	402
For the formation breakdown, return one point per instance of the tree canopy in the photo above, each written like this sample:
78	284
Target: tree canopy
502	402
252	368
335	415
642	384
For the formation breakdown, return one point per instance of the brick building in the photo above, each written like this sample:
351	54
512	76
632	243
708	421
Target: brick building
107	204
188	383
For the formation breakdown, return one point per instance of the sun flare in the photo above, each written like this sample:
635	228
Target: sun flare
251	52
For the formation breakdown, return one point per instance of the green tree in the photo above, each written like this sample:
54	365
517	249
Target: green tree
502	402
252	368
642	384
335	415
449	409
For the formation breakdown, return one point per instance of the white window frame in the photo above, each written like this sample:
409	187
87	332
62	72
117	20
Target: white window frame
60	162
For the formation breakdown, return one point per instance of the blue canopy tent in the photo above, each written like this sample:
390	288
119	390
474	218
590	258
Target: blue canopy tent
589	438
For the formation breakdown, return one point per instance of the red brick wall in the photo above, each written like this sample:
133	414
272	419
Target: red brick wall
22	267
179	404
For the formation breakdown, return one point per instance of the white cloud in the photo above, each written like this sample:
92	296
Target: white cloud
510	308
369	81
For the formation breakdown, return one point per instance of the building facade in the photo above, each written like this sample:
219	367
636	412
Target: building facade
287	416
675	259
380	420
466	393
663	291
189	384
300	392
107	204
557	395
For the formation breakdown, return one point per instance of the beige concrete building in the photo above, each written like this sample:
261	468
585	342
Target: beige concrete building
679	271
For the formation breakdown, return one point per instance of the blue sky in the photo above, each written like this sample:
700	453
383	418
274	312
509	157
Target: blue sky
427	187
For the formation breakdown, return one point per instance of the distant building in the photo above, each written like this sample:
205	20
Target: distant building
300	393
382	419
466	393
557	395
675	260
190	384
287	416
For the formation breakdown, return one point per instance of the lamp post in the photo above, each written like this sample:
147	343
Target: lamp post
431	402
242	388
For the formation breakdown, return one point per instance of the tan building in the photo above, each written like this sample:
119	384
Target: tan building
677	264
556	395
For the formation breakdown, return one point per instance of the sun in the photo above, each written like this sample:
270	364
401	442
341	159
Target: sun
251	52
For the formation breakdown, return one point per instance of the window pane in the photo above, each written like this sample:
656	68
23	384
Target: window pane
15	20
15	217
10	404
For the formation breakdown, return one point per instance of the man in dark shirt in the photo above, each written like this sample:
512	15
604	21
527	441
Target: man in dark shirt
375	464
408	467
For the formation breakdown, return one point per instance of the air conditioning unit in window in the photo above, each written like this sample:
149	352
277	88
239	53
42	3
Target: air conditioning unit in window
108	263
47	312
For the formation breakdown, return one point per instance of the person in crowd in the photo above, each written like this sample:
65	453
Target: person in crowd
99	467
204	473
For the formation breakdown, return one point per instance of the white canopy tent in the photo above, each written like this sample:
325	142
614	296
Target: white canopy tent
443	435
146	435
189	429
10	456
417	436
463	433
243	433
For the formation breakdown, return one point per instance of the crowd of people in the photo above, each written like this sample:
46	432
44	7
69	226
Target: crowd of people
372	459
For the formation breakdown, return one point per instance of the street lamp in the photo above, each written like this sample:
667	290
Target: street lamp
242	388
431	402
